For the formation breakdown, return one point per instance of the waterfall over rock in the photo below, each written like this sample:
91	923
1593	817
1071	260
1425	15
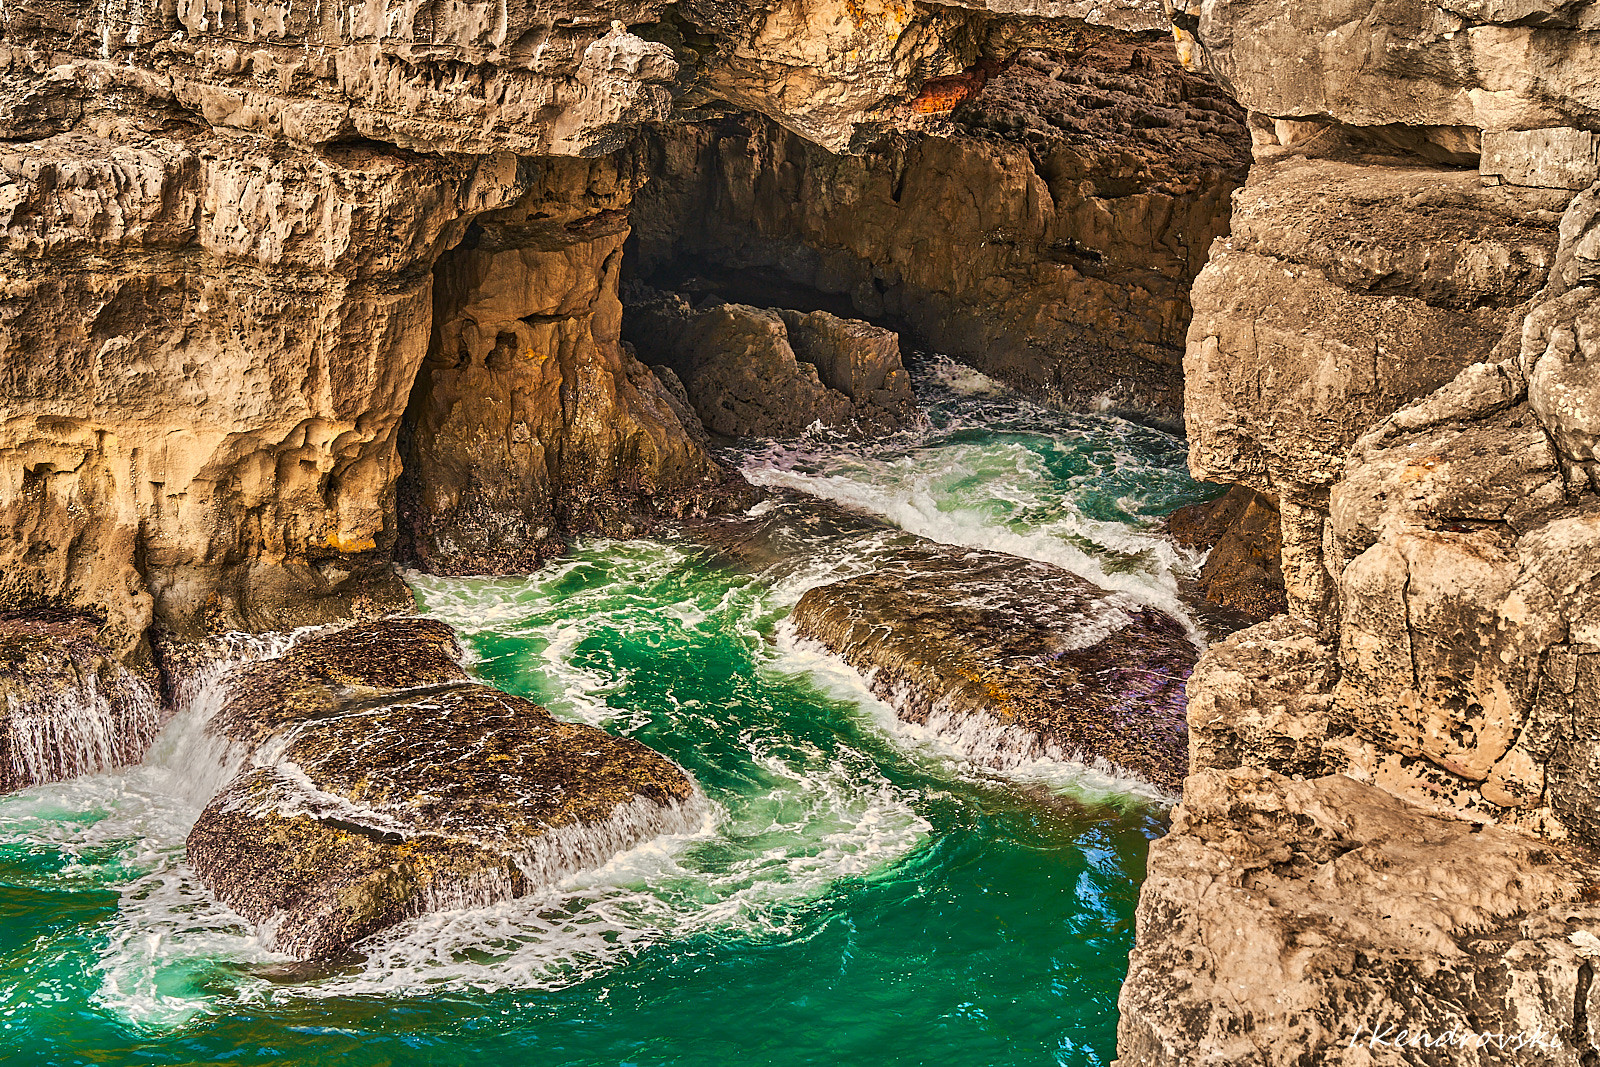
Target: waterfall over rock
68	708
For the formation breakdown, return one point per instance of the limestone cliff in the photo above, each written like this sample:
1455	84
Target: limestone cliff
1044	226
1395	341
220	233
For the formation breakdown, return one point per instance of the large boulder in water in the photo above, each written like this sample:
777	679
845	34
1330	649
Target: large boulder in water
759	372
1052	665
383	784
67	707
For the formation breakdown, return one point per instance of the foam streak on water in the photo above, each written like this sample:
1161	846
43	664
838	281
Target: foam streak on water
988	469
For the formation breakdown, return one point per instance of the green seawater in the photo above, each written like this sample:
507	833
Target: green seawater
860	892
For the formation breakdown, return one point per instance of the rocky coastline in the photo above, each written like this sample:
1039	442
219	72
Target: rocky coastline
295	297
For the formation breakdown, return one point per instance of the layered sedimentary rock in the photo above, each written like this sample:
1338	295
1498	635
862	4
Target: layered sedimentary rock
1046	230
1399	348
758	372
1345	290
250	254
967	640
219	236
381	784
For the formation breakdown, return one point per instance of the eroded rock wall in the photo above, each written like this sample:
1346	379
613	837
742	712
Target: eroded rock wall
1395	340
220	232
1045	230
529	421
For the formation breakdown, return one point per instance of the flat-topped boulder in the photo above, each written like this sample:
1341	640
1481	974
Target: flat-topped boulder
383	784
955	638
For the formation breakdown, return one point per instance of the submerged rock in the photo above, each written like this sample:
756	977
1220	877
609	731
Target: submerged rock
67	707
958	638
383	784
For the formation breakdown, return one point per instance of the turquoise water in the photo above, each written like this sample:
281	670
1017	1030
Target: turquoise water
861	894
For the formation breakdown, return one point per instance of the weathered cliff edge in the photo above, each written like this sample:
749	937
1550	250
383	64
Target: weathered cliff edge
1391	819
259	264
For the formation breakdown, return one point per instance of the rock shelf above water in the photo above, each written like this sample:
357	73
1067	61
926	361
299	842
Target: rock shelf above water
383	784
964	639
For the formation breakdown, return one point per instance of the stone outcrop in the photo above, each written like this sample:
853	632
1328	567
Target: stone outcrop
67	706
1240	533
529	420
210	342
1328	307
1049	665
381	784
1397	348
1329	922
755	372
1046	230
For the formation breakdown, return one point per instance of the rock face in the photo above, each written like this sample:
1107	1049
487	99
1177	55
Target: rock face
67	707
1312	922
529	421
1046	230
1053	666
1390	819
218	250
382	784
753	372
1240	532
259	263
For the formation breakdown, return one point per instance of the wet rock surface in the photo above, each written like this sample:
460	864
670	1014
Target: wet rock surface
959	638
760	372
67	706
382	784
1240	532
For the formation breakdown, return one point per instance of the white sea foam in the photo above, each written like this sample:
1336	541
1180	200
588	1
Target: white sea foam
970	746
805	814
977	475
105	718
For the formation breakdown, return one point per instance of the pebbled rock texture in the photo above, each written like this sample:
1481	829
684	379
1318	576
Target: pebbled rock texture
1240	533
67	706
380	784
1289	921
958	640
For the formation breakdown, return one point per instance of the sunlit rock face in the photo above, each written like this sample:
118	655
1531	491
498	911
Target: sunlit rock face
529	420
1395	340
242	244
220	230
